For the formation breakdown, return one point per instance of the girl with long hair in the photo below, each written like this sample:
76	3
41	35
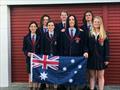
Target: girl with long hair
98	53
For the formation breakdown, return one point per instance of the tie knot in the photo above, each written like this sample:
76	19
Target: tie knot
51	35
45	30
33	36
64	25
33	39
71	30
89	27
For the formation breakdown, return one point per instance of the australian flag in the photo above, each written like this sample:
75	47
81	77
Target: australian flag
65	70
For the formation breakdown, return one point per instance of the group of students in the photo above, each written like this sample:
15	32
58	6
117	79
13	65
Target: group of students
67	39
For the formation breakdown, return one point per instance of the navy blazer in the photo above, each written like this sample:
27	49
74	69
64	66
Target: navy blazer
73	46
50	45
97	51
84	27
86	30
58	29
28	47
59	26
41	31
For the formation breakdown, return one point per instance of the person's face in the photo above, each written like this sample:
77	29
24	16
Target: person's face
45	20
71	21
63	16
88	16
96	23
51	26
33	28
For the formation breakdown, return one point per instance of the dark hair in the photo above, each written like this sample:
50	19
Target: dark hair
84	20
67	22
33	22
50	22
42	18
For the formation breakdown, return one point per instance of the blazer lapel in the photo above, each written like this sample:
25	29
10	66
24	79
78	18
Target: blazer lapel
29	39
76	33
37	39
47	36
68	34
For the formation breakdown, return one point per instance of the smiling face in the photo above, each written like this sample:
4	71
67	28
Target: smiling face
96	23
50	26
88	16
71	21
63	16
33	28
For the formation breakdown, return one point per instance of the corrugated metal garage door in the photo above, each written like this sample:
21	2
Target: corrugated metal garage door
22	15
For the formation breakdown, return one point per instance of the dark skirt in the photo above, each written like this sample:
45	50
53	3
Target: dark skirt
96	64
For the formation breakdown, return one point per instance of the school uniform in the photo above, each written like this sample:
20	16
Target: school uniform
98	53
50	47
50	42
58	29
60	26
86	28
30	46
43	31
73	46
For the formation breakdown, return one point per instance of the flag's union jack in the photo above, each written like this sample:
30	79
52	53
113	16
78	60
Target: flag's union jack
45	62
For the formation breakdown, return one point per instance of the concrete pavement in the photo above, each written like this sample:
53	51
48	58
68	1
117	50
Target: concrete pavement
24	86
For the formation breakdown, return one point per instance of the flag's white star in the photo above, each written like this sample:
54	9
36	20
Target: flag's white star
43	76
72	60
70	80
64	68
79	66
75	72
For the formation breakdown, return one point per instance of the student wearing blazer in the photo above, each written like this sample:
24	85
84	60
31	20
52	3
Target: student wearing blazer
60	27
50	43
51	40
87	27
73	42
87	21
31	44
98	47
43	24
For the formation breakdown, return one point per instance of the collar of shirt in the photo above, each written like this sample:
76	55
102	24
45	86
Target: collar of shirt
34	36
63	22
96	35
51	33
74	31
89	26
45	29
